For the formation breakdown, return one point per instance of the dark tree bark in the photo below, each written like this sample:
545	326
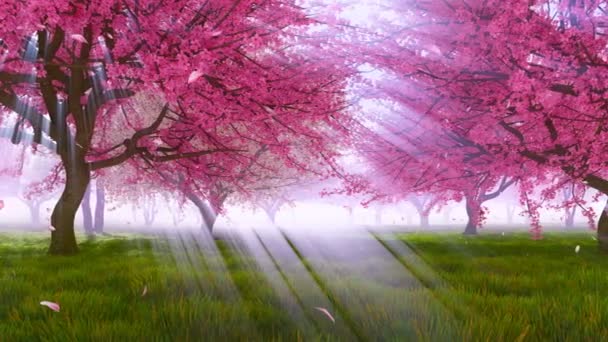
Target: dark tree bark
100	206
78	176
87	217
600	185
473	216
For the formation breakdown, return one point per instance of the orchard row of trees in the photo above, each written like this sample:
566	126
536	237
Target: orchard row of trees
211	100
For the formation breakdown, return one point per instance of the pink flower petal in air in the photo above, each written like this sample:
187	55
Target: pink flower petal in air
216	33
50	305
143	293
79	38
51	228
41	27
324	310
269	110
195	75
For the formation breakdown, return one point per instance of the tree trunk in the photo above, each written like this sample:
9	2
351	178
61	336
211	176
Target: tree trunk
473	216
100	207
34	207
446	215
149	211
378	217
510	213
424	220
207	214
78	175
424	217
351	216
87	217
272	214
602	230
570	213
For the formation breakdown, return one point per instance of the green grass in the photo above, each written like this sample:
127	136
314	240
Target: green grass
485	288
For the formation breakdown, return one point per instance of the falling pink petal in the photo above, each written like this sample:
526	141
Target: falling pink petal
577	249
79	38
1	204
50	305
110	36
195	75
269	110
324	310
51	228
216	33
41	27
143	293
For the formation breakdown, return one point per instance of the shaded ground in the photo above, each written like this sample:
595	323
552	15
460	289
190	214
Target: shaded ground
434	287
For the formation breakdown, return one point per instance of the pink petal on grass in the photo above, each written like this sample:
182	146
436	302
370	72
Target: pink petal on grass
324	310
195	75
50	305
577	249
79	38
143	293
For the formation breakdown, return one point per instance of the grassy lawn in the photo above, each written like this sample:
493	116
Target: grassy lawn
429	287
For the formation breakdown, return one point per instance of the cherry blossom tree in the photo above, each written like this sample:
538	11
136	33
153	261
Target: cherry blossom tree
522	83
103	83
423	203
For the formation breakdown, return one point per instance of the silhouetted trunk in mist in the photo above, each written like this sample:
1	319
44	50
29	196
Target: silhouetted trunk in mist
100	206
569	219
510	213
34	207
271	208
378	216
424	216
150	211
87	217
422	206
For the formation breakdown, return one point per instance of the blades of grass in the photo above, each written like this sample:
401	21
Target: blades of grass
339	309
